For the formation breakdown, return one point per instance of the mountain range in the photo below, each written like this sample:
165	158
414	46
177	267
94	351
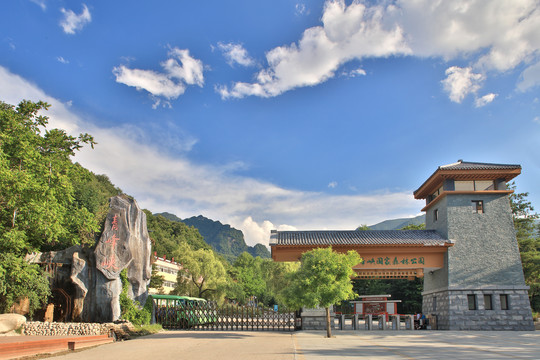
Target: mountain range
396	224
223	238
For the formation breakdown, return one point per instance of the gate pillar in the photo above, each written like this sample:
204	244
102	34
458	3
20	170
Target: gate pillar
369	322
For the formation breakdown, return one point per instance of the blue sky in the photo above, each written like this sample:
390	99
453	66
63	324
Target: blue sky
283	114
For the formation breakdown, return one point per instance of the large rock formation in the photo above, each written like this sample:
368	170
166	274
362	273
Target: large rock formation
90	279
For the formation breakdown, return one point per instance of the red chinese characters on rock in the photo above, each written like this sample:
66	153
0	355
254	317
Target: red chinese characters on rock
110	262
114	223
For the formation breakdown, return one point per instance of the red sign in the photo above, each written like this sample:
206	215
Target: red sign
374	299
375	308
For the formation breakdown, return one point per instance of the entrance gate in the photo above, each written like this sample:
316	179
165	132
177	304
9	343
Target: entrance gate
210	316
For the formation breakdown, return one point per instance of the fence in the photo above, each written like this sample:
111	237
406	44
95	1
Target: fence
209	316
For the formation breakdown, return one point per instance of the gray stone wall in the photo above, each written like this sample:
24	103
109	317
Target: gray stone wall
38	328
453	312
484	260
315	319
485	250
313	323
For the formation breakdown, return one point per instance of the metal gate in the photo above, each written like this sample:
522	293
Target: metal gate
210	316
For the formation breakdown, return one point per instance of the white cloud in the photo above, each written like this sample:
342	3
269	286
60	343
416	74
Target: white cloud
530	77
355	73
460	82
301	9
161	182
333	184
348	32
236	54
255	233
62	60
495	36
71	23
484	100
169	84
537	119
40	3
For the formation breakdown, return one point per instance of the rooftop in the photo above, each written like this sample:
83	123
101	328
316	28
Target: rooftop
466	165
353	237
465	170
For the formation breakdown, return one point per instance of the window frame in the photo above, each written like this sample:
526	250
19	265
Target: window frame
488	302
478	207
506	305
472	306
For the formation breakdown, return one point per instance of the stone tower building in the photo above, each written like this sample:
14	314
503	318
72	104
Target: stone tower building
481	285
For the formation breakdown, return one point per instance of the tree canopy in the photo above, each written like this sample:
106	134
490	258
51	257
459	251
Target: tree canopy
323	279
46	201
203	274
527	234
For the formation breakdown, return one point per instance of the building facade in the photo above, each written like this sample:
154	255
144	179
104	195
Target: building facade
468	255
481	285
169	270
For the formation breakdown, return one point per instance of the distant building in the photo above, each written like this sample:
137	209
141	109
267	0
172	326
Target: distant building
169	270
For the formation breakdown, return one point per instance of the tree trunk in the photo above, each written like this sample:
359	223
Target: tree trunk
328	327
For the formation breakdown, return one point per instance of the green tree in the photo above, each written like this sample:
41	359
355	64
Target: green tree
527	234
203	274
277	276
18	280
414	227
363	227
247	271
156	281
323	279
38	210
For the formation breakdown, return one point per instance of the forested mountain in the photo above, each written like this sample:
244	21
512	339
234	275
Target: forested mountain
167	235
396	224
225	239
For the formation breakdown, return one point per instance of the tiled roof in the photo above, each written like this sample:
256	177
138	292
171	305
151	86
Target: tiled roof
353	237
465	165
464	170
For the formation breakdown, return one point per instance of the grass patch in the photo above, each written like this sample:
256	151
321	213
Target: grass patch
142	330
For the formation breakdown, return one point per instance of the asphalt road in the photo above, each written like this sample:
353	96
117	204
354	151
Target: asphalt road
312	345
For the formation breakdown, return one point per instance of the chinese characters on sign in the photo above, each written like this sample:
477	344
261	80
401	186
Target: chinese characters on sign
419	260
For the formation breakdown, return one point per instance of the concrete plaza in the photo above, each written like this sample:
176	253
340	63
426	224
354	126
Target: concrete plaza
312	345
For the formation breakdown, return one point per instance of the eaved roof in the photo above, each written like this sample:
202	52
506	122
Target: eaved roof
354	237
466	165
465	170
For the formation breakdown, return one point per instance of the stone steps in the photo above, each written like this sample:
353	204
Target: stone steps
18	348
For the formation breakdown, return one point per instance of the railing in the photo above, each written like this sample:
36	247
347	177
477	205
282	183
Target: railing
228	317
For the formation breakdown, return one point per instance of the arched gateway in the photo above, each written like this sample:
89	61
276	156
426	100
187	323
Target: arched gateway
468	254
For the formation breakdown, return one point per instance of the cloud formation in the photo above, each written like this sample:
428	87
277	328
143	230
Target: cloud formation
179	70
494	36
460	82
484	100
160	182
71	23
236	54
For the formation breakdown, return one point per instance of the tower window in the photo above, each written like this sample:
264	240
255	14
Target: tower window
436	215
504	302
487	302
471	299
478	206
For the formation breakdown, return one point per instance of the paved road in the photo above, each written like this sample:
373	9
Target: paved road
312	345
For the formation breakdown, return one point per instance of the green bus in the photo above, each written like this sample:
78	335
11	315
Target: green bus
181	312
